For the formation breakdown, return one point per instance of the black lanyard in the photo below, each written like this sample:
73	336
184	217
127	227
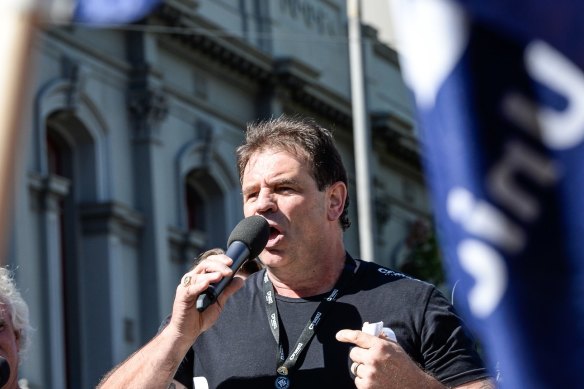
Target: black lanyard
285	365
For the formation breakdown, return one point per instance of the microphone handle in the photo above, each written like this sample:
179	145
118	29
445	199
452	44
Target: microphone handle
239	253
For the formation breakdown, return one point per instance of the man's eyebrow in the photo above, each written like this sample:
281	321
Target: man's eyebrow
248	189
274	182
284	181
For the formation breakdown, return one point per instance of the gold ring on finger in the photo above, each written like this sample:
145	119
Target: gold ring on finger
355	367
186	281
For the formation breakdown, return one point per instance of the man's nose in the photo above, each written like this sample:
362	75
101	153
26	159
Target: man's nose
266	202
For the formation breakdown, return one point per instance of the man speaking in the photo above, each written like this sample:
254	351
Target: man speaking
298	322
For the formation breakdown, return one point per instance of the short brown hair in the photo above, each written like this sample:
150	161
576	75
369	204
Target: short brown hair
304	138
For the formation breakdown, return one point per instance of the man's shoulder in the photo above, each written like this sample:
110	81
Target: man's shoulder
371	276
379	272
377	269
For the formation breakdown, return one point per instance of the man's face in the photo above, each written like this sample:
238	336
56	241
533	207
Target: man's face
278	186
9	343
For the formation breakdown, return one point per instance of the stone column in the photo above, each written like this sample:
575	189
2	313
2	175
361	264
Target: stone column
148	108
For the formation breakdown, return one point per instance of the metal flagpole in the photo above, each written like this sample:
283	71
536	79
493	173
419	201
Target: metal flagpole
361	133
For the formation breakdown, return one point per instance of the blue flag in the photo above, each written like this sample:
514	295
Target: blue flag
499	87
112	11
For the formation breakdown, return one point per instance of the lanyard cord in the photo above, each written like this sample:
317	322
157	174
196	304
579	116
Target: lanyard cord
285	365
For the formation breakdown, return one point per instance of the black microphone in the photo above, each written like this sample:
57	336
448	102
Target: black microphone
4	371
247	240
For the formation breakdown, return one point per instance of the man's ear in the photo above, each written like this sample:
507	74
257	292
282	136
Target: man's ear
337	196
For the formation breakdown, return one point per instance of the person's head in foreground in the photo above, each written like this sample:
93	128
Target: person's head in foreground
14	328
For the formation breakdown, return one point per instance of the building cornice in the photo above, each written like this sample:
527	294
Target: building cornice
299	79
207	38
112	218
397	137
233	52
302	82
380	48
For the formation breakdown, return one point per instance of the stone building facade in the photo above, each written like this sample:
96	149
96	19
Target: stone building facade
129	167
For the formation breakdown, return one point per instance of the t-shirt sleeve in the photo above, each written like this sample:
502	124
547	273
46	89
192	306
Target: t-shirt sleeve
184	373
448	349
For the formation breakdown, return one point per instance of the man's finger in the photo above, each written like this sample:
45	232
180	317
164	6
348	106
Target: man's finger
192	284
209	266
358	338
221	258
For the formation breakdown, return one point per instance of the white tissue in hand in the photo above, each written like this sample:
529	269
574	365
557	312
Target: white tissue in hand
389	334
377	329
372	328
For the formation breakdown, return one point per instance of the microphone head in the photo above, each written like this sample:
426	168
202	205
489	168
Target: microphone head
254	232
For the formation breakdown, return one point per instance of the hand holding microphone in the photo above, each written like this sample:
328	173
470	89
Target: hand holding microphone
211	278
247	241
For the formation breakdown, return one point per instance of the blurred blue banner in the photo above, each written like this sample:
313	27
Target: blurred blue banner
112	11
499	87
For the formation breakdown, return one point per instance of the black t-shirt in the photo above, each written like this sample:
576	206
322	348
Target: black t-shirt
239	351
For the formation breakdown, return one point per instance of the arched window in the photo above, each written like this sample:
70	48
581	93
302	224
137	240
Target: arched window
207	196
59	164
195	203
205	209
61	156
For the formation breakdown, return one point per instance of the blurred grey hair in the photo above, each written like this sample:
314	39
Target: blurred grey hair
10	297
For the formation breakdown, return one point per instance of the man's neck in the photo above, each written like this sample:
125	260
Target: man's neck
309	282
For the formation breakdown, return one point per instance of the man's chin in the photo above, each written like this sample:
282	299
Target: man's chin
272	258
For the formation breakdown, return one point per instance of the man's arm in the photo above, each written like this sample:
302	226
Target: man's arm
380	363
154	365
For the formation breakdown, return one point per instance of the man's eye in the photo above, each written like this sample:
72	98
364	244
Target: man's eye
250	196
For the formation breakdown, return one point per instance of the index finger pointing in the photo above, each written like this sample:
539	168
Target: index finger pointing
358	338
